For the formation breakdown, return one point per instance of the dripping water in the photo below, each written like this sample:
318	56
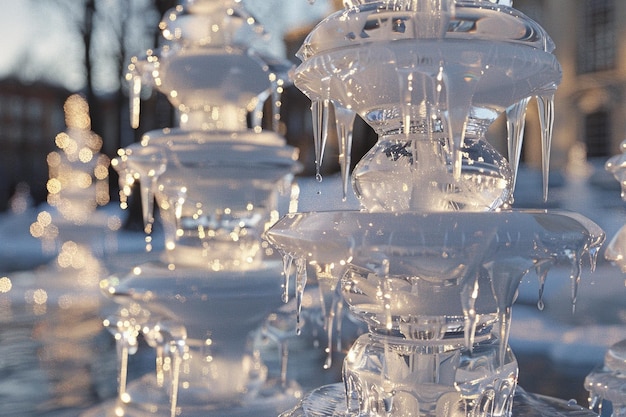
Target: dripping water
545	104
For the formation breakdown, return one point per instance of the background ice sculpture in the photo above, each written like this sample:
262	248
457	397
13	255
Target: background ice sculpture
432	262
216	182
608	383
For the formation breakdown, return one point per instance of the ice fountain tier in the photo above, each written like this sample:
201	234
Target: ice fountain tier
430	70
436	291
215	68
216	191
472	58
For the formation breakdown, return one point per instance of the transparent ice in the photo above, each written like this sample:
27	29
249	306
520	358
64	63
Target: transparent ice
433	260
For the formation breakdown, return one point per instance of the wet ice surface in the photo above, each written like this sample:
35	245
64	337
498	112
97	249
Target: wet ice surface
56	362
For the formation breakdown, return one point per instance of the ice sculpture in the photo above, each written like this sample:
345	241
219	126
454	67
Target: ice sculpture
216	183
433	260
608	383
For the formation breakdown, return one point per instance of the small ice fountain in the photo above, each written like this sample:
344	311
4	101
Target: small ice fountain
608	383
216	184
433	260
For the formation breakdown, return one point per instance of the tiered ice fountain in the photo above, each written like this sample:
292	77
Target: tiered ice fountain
433	260
608	383
216	184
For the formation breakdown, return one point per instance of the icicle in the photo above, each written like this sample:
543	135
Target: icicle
330	302
154	338
468	301
126	181
542	274
593	400
575	275
301	278
460	94
159	365
505	329
287	264
148	169
345	122
125	334
515	123
319	112
135	100
332	325
256	116
545	105
283	352
338	320
177	348
593	257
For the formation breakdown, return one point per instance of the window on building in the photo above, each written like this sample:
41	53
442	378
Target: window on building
598	133
596	49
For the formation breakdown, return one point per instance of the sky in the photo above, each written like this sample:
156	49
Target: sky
36	33
42	39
